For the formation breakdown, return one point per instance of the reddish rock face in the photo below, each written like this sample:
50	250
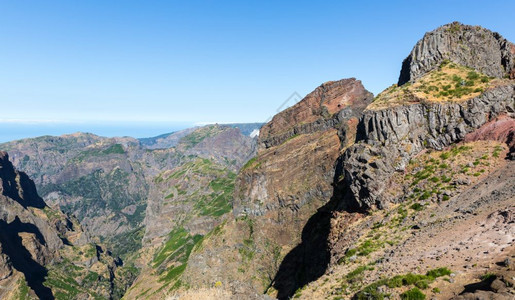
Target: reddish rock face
298	143
317	111
289	180
501	129
512	51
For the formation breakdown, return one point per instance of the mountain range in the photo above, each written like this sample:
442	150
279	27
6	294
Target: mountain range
409	194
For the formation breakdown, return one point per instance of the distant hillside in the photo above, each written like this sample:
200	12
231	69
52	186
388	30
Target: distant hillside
116	186
246	128
169	140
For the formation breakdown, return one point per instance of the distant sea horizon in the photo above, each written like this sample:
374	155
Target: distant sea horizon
16	131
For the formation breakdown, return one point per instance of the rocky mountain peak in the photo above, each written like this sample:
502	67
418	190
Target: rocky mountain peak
322	108
472	46
17	185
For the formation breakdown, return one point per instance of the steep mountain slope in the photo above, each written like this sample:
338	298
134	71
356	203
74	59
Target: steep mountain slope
127	195
167	140
455	211
344	190
91	177
107	182
279	190
44	253
186	202
442	205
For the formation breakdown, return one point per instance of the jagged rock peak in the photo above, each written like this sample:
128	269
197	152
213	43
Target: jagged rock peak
318	110
471	46
3	157
17	185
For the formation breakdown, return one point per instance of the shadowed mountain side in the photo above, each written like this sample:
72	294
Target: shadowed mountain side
18	186
21	258
310	259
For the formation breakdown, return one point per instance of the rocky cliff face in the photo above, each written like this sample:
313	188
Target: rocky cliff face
323	167
389	138
278	191
92	177
472	46
299	148
429	154
328	106
44	253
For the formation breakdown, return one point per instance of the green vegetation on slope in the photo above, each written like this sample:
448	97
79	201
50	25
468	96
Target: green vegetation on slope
194	138
252	163
101	190
219	202
68	280
419	281
171	260
125	244
23	292
97	152
450	82
213	199
431	175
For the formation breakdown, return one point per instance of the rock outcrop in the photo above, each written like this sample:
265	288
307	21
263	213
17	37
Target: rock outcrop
328	106
472	46
278	191
17	187
387	139
501	129
40	245
299	147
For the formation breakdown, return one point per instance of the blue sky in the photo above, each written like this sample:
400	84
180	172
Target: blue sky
142	68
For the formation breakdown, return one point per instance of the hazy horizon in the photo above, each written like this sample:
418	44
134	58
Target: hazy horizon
14	131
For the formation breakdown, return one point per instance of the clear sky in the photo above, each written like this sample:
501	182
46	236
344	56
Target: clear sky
142	68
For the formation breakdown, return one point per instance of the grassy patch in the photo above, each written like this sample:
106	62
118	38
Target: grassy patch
248	250
369	246
439	272
219	202
357	272
23	292
199	135
171	260
450	82
416	280
488	276
252	163
417	206
114	149
413	294
97	152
